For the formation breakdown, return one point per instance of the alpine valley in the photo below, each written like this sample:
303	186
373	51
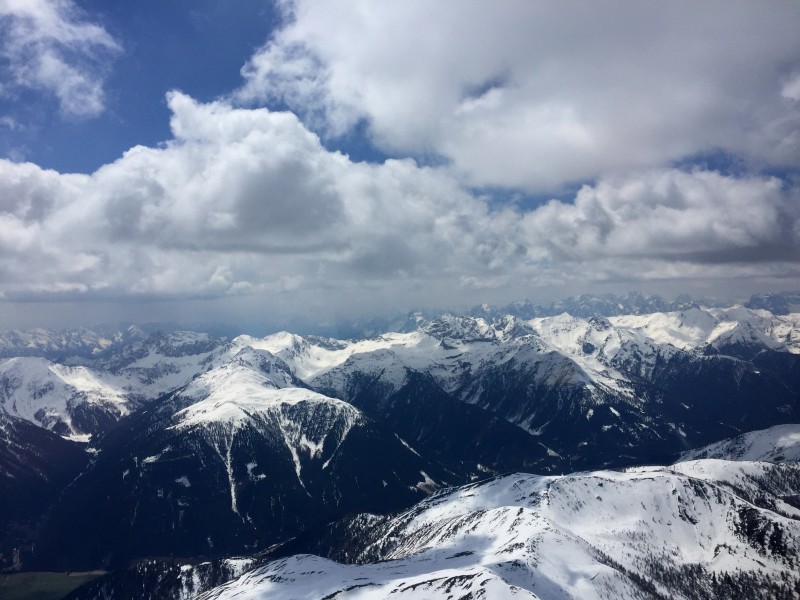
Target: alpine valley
600	447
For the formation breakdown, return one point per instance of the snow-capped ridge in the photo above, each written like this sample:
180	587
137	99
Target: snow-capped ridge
776	444
652	532
48	394
699	327
240	395
466	329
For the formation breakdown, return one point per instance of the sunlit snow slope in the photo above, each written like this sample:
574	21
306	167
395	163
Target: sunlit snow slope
776	444
79	400
683	532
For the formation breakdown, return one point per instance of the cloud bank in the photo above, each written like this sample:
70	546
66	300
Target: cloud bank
242	201
531	94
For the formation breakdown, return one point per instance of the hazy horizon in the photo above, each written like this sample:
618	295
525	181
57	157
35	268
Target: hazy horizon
338	324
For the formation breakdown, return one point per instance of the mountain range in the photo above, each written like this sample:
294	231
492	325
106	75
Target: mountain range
119	446
699	528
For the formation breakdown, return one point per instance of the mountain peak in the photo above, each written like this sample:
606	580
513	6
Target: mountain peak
462	328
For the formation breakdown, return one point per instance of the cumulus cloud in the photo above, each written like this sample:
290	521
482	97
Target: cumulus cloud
243	202
50	46
239	201
533	94
694	216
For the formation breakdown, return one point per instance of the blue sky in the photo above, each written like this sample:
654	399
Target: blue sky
197	46
216	160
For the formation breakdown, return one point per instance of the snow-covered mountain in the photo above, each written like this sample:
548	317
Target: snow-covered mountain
603	349
204	446
591	305
697	529
718	328
670	532
70	401
77	401
68	344
589	391
596	359
778	304
776	444
564	391
241	457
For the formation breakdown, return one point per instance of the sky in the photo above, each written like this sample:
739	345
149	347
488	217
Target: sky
254	163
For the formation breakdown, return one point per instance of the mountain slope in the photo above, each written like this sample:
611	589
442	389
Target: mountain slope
645	533
776	444
35	466
67	345
78	401
717	327
70	401
235	461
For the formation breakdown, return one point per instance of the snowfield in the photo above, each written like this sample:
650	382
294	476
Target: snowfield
603	534
776	444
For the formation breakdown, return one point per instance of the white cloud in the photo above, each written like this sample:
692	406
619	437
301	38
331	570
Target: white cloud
534	94
669	216
49	45
239	200
243	202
